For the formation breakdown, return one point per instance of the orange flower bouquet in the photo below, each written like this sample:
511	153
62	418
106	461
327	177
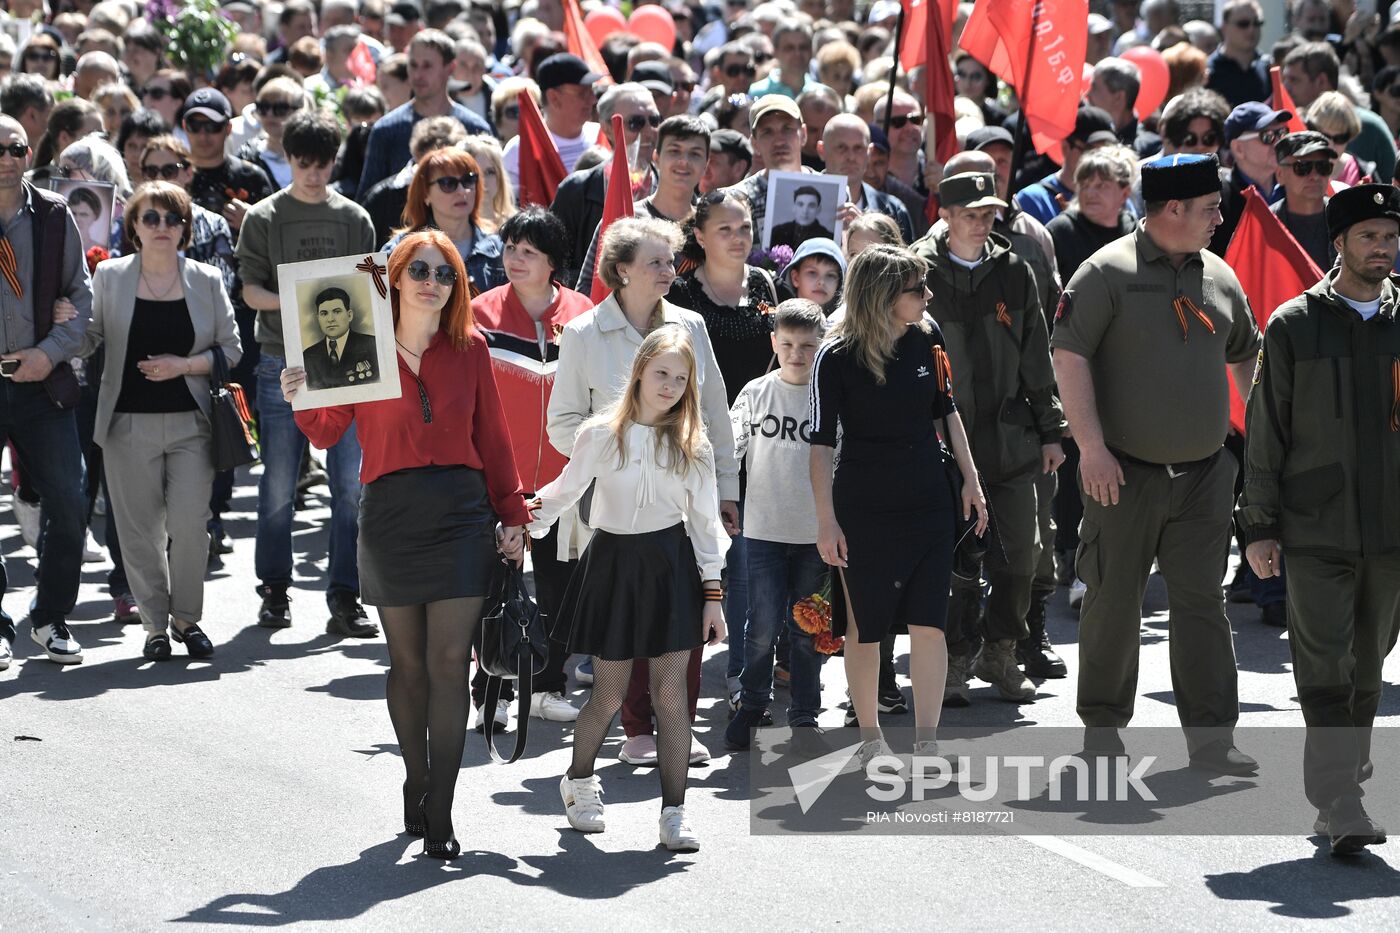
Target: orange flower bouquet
813	616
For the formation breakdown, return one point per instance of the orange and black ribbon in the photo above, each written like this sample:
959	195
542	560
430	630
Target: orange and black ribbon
1002	316
376	270
1183	304
943	370
1395	394
9	267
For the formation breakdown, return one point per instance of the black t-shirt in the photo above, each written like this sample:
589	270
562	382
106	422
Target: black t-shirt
739	335
157	327
213	188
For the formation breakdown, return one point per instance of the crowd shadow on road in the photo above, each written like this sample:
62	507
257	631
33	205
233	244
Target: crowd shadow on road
1315	888
381	875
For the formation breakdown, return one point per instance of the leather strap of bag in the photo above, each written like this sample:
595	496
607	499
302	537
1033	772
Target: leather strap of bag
524	687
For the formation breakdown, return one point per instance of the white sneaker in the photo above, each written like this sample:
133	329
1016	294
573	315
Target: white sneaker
676	833
583	802
60	644
1077	589
502	716
553	707
6	647
28	517
92	553
639	750
699	754
876	748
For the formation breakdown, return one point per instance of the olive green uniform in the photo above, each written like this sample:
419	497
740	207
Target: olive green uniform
1164	406
999	348
1321	467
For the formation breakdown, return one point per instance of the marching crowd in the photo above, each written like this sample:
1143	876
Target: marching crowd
1003	374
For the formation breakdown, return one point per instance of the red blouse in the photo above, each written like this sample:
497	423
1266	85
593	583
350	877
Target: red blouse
468	426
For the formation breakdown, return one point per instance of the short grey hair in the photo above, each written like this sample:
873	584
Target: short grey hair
1119	74
1110	163
607	104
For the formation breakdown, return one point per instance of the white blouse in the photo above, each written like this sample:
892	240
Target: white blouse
640	496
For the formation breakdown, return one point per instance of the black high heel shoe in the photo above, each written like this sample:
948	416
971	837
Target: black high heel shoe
413	824
445	849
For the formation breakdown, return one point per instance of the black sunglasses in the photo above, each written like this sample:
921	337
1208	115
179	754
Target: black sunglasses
43	55
166	172
511	112
967	75
152	219
279	109
418	271
921	289
450	183
897	123
203	127
733	71
1248	24
1340	139
1209	138
635	122
1269	137
1322	166
15	150
156	93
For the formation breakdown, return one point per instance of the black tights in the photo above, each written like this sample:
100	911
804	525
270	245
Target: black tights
429	651
670	703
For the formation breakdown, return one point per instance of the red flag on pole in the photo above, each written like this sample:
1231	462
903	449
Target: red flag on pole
616	203
1038	49
1283	101
928	40
1271	266
541	169
581	41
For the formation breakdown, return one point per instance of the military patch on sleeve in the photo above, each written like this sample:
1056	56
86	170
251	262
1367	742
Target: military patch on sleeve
1259	366
1066	305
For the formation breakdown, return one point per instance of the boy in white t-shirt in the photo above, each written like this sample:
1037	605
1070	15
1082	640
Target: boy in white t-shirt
772	424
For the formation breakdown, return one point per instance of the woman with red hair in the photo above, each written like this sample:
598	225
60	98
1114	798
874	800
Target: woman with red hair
438	476
446	194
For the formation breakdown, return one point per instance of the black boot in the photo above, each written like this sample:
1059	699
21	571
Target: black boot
1035	651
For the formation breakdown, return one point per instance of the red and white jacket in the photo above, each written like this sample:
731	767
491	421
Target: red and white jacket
524	354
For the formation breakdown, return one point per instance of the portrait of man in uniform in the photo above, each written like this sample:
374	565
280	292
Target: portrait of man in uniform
343	356
802	206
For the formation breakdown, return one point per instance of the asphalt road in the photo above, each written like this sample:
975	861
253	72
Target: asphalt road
261	789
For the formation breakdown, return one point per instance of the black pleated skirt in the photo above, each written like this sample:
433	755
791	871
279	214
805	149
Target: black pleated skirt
633	596
426	534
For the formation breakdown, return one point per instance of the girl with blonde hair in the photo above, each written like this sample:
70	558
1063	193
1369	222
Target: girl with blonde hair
497	203
648	584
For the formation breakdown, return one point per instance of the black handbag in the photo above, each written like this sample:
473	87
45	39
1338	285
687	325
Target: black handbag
512	645
230	422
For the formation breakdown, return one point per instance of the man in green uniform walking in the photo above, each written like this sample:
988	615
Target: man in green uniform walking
1144	332
1320	490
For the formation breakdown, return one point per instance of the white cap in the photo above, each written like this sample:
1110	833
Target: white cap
882	10
1098	24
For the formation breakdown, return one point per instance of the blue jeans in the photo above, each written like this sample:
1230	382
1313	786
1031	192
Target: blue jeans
46	441
283	445
736	604
780	575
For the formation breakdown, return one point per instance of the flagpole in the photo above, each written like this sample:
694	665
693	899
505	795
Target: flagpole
1018	154
894	69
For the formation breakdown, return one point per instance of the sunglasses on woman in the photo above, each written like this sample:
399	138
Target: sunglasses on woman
152	219
418	271
1322	166
156	93
450	183
733	71
1209	138
279	109
167	172
510	112
635	122
897	123
1341	139
40	55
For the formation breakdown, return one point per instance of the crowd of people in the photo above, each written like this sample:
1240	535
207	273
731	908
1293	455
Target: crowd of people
997	348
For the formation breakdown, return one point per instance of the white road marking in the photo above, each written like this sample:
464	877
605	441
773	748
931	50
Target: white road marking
1120	873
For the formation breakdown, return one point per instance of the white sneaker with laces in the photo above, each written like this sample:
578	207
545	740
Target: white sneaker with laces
28	517
583	802
6	649
676	833
877	748
639	750
57	642
502	716
699	754
553	707
1077	589
92	552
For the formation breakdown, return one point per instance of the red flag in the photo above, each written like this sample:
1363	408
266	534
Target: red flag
361	63
581	42
616	203
1271	266
603	139
541	169
1047	76
928	40
1282	101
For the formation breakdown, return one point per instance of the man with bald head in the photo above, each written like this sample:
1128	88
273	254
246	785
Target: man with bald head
845	149
36	407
